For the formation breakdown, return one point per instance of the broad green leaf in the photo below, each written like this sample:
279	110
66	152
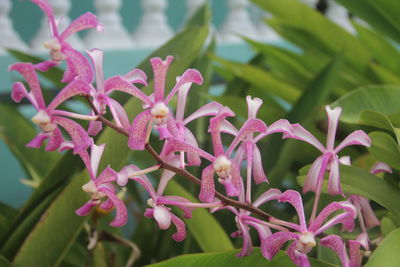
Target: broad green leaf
16	132
208	233
228	259
387	253
376	119
384	76
375	13
381	98
200	18
51	238
356	181
260	79
331	37
4	262
387	225
384	148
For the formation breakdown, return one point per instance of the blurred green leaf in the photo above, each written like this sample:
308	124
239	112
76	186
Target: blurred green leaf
208	233
387	253
356	181
387	225
385	149
376	119
381	98
4	262
228	259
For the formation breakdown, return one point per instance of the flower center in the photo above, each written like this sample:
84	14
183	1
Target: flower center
91	188
44	121
222	166
306	242
55	50
160	113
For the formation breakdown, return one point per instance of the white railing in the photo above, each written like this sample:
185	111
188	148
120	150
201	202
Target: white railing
241	18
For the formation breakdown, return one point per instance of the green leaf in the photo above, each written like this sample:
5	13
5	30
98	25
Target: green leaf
385	149
381	98
4	262
387	253
208	233
356	181
260	79
200	18
228	259
387	225
376	119
379	14
16	132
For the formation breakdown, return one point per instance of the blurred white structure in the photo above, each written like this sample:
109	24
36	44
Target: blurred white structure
9	38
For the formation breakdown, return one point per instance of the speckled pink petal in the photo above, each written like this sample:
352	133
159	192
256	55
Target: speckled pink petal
138	131
368	214
180	233
119	83
188	77
178	202
253	105
316	173
108	175
96	55
271	194
336	244
175	145
380	167
193	159
228	128
136	76
345	219
107	205
298	258
121	215
329	210
86	208
280	126
215	130
247	246
274	242
46	8
118	113
237	180
294	198
45	65
298	132
56	138
162	216
334	187
207	187
78	66
94	127
74	88
160	69
333	120
38	140
76	132
83	22
27	71
258	169
249	127
355	138
210	109
263	233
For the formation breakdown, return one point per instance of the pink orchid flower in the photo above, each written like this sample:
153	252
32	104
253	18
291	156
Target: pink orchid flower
158	203
244	219
104	88
222	164
101	187
304	237
48	118
336	243
156	105
328	161
60	49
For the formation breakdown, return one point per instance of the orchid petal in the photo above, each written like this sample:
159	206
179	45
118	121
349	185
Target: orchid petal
247	247
258	170
118	83
355	138
250	126
181	105
328	210
368	214
174	145
334	187
142	179
176	201
280	126
55	140
233	185
271	194
108	175
163	217
193	159
94	126
294	198
333	120
27	71
76	132
38	140
48	10
167	175
118	113
138	131
346	219
316	173
78	66
83	22
19	92
180	233
96	55
160	69
95	156
45	65
107	205
66	145
298	258
345	160
136	76
214	128
121	213
299	133
240	154
336	244
87	207
210	109
207	187
381	167
188	77
227	127
76	87
274	242
253	105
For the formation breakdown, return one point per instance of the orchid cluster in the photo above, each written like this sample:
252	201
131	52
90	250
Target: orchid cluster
181	149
